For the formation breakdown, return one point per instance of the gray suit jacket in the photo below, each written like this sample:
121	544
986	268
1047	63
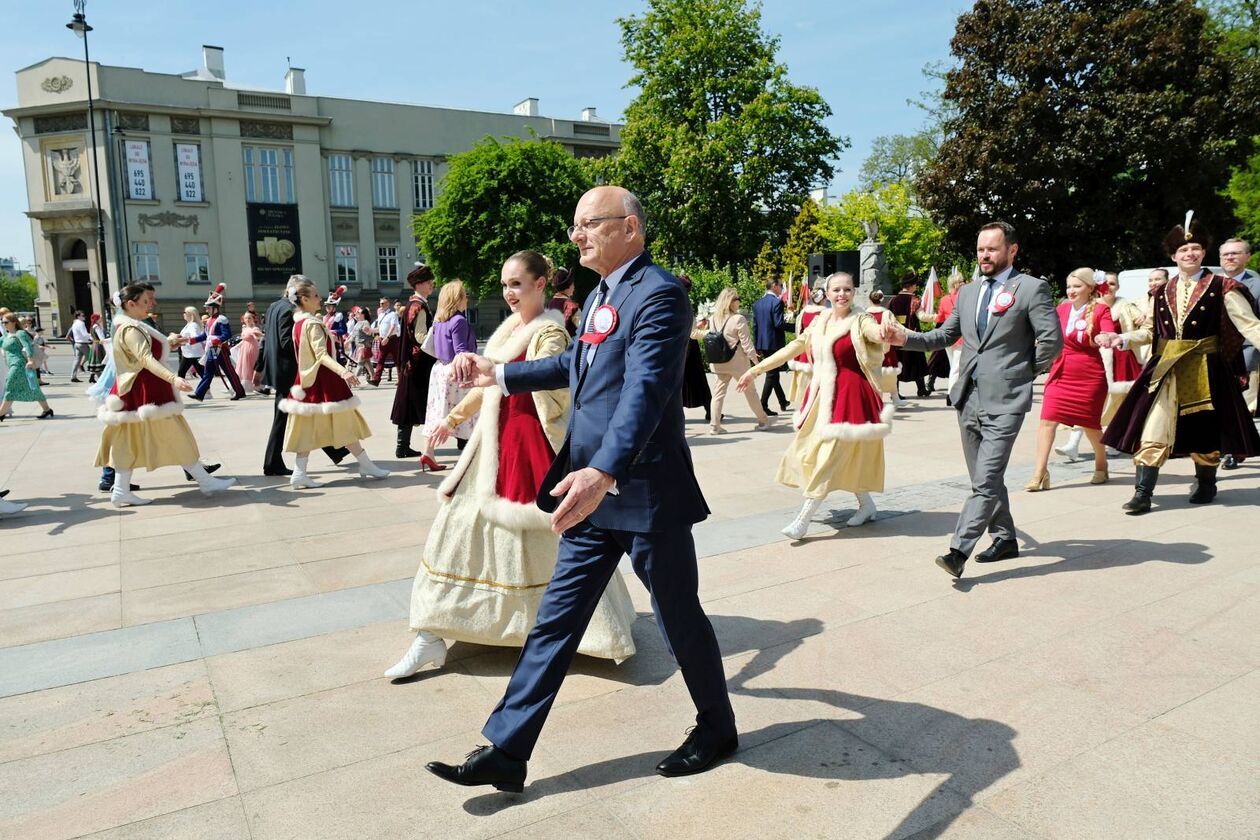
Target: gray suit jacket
1251	357
1018	344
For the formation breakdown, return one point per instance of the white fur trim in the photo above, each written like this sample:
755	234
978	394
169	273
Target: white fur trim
891	371
305	408
145	412
859	431
515	515
297	392
114	403
1119	387
505	345
800	367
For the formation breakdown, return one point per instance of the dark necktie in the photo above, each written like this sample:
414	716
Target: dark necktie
600	294
982	319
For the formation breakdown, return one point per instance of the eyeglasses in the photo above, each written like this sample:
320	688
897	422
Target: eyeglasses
591	224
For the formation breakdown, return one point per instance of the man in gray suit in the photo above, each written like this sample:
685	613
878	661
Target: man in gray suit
1010	333
1235	254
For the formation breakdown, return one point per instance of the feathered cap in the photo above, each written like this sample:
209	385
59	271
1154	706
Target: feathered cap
216	297
334	297
420	274
1189	231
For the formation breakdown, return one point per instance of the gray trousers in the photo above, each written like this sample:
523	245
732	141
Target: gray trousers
987	441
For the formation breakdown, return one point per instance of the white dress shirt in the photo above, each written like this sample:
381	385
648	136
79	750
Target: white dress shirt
999	281
388	325
79	332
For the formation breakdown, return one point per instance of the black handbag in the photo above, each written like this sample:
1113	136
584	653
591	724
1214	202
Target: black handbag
716	350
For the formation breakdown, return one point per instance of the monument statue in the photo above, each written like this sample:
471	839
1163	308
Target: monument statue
874	267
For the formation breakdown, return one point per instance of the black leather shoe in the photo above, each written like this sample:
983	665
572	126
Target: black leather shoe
486	765
952	562
698	753
339	455
283	471
1229	462
1002	549
210	468
769	413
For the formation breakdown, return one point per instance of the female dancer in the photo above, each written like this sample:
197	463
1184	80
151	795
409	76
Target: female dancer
246	351
143	415
10	507
96	356
452	335
944	363
695	387
1076	386
1125	366
734	328
23	382
490	550
412	395
193	333
842	423
802	366
322	410
890	365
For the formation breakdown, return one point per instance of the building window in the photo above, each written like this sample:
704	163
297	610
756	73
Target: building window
197	262
340	181
383	183
347	263
269	174
387	263
423	182
144	262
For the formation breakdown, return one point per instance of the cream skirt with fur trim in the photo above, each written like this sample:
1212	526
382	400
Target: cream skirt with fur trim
821	465
148	444
308	432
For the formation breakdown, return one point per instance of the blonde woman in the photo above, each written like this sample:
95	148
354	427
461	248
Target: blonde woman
322	410
452	335
733	326
842	422
945	362
490	551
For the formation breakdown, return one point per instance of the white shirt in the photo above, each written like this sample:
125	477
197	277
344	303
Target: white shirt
388	325
79	332
191	330
999	281
613	278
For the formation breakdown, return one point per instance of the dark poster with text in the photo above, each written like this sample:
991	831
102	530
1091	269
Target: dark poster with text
275	249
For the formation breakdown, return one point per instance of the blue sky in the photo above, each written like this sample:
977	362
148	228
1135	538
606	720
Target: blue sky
866	58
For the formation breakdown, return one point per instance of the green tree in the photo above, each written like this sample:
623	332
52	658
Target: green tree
804	238
718	143
1236	23
912	241
766	265
18	293
1092	127
1244	189
897	159
498	198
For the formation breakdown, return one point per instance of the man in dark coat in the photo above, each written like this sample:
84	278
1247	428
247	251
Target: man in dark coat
414	365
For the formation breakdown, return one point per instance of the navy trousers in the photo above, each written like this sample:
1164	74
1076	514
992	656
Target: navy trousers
666	563
218	362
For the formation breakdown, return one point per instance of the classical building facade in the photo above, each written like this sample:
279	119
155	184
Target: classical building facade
205	182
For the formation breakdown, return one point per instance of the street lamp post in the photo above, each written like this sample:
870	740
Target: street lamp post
79	26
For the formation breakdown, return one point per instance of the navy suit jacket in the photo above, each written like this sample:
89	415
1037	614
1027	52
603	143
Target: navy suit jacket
769	324
627	417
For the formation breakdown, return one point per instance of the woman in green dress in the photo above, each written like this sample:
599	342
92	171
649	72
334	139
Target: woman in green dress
23	383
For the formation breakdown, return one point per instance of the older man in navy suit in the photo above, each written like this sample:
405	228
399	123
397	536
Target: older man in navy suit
770	325
622	483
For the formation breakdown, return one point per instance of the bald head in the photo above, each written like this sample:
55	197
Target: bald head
608	228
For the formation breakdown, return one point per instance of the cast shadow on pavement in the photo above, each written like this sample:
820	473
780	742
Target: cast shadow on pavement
61	512
1083	556
977	752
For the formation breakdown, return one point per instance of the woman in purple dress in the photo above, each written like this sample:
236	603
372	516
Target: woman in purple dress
452	335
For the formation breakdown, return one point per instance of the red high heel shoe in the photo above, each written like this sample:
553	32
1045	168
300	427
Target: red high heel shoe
427	463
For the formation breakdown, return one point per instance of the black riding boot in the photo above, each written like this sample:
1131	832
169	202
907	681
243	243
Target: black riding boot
1143	489
403	449
1204	489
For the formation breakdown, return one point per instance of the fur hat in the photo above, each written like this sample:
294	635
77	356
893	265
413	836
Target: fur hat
216	297
1189	231
334	297
420	274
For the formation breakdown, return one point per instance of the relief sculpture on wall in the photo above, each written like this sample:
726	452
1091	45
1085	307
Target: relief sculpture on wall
66	176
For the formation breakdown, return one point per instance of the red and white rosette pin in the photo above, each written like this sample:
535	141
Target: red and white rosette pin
603	323
1080	325
1004	301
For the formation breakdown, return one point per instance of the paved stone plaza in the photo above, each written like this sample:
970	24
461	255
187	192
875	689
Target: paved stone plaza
211	668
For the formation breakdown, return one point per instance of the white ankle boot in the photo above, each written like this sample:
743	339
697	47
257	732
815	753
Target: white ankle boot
367	468
1071	449
797	528
11	507
865	512
121	496
426	649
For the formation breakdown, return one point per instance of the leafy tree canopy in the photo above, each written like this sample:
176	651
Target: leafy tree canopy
897	159
496	199
912	241
17	294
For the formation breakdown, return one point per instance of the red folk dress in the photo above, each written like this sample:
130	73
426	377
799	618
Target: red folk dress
890	366
1076	386
525	454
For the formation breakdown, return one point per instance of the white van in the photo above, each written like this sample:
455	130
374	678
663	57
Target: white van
1133	280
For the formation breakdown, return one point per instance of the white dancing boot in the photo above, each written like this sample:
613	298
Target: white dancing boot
121	495
367	468
299	480
208	484
865	512
798	526
11	507
1071	449
426	649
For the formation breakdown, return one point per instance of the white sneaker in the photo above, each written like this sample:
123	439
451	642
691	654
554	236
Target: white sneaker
11	507
119	497
422	652
797	527
1112	452
865	512
212	484
300	480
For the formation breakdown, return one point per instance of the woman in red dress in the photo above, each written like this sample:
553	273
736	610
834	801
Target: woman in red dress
1076	386
944	363
891	366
